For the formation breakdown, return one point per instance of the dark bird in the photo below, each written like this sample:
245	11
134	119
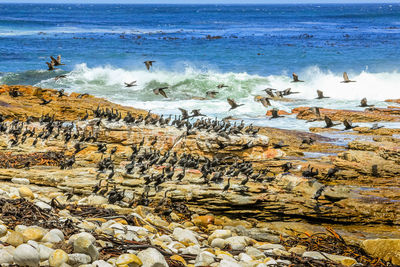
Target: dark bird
196	113
363	103
78	148
50	66
331	172
321	95
220	86
296	78
185	113
280	144
265	101
308	141
346	78
160	91
131	84
329	122
348	125
233	104
61	93
275	114
226	187
56	61
62	76
269	92
288	91
149	63
45	102
211	94
316	111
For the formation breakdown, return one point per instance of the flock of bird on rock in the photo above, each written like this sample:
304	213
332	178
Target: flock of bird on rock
144	158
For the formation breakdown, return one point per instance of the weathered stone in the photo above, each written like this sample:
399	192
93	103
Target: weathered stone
15	239
58	257
152	258
386	249
26	192
130	260
25	255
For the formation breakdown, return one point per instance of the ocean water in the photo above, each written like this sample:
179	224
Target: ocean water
248	48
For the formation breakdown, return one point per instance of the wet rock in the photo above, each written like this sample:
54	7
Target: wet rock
152	258
25	255
386	249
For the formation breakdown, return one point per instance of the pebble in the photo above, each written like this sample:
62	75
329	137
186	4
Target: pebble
3	230
255	253
239	242
205	258
84	244
223	234
58	258
218	243
130	260
96	200
33	233
192	250
42	205
51	237
151	257
44	252
26	255
15	239
26	192
346	261
23	181
101	263
244	257
270	246
78	259
5	257
184	235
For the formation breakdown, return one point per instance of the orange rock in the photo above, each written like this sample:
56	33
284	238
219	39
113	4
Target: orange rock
203	220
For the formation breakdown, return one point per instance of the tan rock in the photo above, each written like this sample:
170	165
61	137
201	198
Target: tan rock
58	258
387	249
33	233
26	192
15	239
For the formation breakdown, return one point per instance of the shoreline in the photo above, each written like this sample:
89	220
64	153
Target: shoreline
278	196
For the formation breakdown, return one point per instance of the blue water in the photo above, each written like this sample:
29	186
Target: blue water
258	46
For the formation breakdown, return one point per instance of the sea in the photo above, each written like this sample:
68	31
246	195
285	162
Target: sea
196	47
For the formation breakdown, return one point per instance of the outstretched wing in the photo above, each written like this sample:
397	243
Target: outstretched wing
345	77
184	112
161	90
320	94
295	77
328	121
231	102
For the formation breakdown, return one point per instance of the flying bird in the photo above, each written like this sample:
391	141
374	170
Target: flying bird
265	101
211	94
329	122
57	62
50	66
45	102
321	95
269	91
363	103
348	125
233	104
346	78
149	64
220	86
296	78
130	84
160	91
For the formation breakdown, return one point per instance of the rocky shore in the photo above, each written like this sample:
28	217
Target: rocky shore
86	182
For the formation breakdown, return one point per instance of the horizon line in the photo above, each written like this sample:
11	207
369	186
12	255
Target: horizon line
214	4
